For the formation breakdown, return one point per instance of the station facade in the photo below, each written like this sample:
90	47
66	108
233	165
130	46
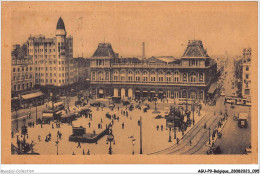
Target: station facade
190	76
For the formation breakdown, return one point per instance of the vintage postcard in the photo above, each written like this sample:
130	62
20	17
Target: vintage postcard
129	82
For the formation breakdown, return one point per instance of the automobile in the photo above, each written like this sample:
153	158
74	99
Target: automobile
131	107
111	106
158	117
138	106
242	120
126	102
108	115
240	102
214	150
248	149
97	104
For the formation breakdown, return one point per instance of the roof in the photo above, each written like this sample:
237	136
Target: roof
60	24
104	50
195	49
32	95
212	88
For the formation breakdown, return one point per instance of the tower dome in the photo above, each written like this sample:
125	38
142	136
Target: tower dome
60	24
60	28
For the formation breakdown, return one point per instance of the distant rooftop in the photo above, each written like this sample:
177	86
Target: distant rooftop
104	50
195	49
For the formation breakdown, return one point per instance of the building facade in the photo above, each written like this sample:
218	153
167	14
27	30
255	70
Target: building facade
53	58
246	75
190	76
22	74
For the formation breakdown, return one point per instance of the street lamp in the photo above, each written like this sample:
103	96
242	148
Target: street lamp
133	143
57	144
209	136
193	112
110	138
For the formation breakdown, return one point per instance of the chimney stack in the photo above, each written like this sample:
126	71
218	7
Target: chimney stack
143	50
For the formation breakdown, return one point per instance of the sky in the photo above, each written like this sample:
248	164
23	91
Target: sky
165	27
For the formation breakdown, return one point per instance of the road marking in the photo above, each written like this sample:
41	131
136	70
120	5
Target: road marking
19	118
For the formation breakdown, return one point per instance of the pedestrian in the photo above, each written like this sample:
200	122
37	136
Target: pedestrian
88	153
79	146
161	127
52	126
73	153
205	125
12	134
118	107
177	140
190	142
157	127
89	124
83	152
101	120
39	138
123	125
33	124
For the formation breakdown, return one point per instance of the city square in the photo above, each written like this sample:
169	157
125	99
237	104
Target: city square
107	104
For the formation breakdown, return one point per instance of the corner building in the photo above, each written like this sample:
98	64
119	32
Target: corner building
190	76
53	58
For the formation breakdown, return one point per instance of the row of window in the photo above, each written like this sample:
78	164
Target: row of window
145	77
54	74
50	62
50	81
22	77
46	56
51	68
22	69
23	86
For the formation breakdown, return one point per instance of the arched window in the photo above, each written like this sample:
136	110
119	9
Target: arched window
168	76
130	76
160	76
201	77
153	76
176	76
93	76
100	76
184	94
193	77
185	77
122	76
115	76
137	76
145	76
107	75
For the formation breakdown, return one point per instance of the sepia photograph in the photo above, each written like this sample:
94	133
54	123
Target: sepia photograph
129	82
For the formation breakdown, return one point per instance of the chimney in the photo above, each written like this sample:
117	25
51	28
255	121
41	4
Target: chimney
143	50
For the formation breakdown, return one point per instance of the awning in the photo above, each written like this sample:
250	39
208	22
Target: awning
137	90
58	104
145	91
101	91
32	95
47	114
212	88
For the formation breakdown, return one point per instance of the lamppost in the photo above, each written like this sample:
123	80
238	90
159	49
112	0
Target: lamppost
209	136
141	138
57	144
36	115
193	112
110	138
155	108
133	143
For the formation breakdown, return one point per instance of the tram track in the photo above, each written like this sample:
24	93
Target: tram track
189	136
